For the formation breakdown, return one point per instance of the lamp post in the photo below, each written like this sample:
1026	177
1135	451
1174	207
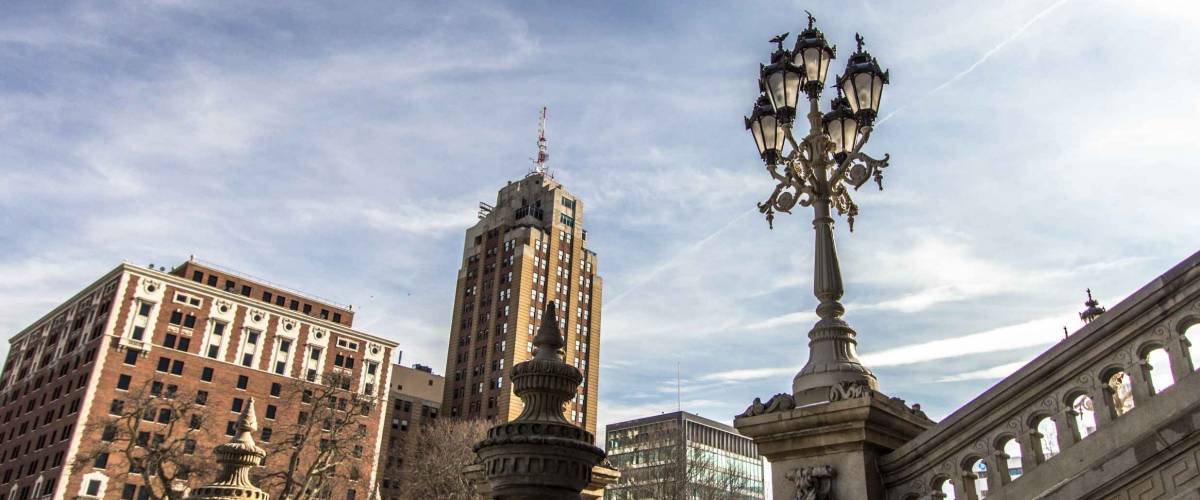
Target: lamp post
816	170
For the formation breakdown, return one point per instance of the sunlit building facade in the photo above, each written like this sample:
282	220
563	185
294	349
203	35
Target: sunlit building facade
682	455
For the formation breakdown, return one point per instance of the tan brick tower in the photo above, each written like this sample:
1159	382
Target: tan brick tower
526	251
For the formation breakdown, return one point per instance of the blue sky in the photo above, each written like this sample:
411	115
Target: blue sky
1038	148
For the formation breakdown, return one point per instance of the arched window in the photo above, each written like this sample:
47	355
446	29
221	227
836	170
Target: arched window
1192	334
1010	457
1120	392
943	489
1159	369
1047	437
975	478
1085	415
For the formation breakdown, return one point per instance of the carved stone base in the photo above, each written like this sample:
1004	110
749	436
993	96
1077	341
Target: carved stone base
843	437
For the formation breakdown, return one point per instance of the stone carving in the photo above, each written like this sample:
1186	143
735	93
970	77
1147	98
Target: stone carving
778	402
812	483
848	389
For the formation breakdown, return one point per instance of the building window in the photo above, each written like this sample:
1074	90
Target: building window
93	487
275	389
246	290
206	374
230	428
131	357
201	398
139	332
271	412
123	382
237	405
101	461
242	381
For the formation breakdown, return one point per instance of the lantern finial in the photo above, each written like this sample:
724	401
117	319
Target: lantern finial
811	19
778	40
859	40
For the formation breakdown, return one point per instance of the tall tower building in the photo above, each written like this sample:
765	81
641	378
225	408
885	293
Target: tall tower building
526	250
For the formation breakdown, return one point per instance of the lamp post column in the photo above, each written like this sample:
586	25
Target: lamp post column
832	358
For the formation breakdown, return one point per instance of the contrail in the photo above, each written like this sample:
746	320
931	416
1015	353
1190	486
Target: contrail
676	258
986	55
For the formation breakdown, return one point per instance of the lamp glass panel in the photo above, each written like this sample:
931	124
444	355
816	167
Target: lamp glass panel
776	89
863	86
834	129
812	63
849	134
851	95
771	133
876	92
756	131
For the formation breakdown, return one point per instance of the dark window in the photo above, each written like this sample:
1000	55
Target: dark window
230	428
176	317
131	357
177	367
189	321
371	368
139	332
184	343
109	433
307	308
271	412
164	364
229	285
206	374
266	296
266	434
164	415
236	407
189	446
144	310
280	366
285	345
169	341
116	407
196	421
337	317
275	389
93	487
248	359
242	381
201	397
293	304
212	280
128	492
123	382
197	276
279	300
101	461
324	313
246	290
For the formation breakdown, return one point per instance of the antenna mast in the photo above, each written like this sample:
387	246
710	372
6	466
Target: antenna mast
539	164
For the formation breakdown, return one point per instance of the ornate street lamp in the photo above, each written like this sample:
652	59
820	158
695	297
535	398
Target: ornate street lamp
817	171
781	81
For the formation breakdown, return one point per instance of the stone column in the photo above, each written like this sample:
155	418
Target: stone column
540	455
1068	428
1139	377
1179	352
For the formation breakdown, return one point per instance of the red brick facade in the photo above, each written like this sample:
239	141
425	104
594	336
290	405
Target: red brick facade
141	326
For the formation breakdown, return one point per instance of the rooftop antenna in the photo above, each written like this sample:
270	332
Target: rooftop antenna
539	164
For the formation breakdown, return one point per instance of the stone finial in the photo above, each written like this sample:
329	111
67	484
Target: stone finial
236	457
549	341
1093	310
540	455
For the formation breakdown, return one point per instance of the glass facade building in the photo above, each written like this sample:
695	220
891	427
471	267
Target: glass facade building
682	456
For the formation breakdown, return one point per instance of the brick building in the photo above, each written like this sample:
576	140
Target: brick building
211	334
415	399
525	251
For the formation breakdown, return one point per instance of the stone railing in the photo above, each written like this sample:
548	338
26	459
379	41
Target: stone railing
1123	368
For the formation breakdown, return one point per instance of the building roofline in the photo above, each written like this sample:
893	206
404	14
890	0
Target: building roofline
675	415
261	281
68	303
180	280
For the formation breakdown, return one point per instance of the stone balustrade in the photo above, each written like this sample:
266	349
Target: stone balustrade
1089	387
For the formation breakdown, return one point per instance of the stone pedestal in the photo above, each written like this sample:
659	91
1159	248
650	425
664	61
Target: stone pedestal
603	475
829	450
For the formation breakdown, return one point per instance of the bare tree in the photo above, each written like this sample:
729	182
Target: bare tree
436	455
322	450
151	434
